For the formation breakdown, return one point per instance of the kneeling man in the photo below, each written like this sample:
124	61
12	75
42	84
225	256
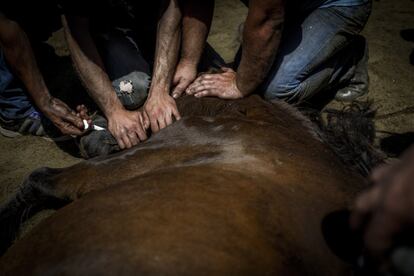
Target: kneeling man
294	50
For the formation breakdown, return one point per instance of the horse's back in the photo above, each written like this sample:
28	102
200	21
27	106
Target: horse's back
184	221
231	196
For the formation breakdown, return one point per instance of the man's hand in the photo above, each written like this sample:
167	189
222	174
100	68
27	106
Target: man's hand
65	119
160	109
184	75
222	85
82	113
128	127
386	211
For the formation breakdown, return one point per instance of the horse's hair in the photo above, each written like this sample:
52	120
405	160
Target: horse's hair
350	132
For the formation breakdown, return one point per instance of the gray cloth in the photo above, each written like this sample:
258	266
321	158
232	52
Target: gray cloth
132	89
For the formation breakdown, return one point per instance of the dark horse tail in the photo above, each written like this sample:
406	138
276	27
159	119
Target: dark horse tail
30	199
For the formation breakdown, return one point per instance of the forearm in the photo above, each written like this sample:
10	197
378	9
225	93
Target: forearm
167	48
261	38
197	17
19	55
91	71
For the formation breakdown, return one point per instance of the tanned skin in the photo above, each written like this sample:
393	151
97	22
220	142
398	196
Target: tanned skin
385	212
129	127
261	39
160	106
196	23
19	55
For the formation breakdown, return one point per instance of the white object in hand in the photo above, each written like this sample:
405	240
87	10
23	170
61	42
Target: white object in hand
85	124
94	127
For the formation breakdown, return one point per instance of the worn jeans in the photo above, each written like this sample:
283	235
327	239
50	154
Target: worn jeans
125	65
319	51
15	104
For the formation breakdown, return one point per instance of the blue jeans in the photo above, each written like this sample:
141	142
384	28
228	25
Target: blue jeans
318	52
14	102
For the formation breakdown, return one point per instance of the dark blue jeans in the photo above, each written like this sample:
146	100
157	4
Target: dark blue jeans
319	51
14	102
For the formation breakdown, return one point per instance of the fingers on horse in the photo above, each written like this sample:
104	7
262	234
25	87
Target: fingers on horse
120	141
162	122
381	232
364	205
154	125
142	135
204	79
176	114
126	140
178	91
133	138
145	120
180	88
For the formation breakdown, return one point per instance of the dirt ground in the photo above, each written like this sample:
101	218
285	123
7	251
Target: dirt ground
392	86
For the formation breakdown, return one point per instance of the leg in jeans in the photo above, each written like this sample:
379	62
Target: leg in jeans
17	113
317	53
125	66
356	82
14	102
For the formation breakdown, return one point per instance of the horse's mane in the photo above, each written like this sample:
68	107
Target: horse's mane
348	132
252	107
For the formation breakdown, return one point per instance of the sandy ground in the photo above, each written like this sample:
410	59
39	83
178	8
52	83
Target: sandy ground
391	74
390	71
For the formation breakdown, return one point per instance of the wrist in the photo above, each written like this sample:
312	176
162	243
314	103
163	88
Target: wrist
188	62
240	87
109	103
111	112
159	91
43	102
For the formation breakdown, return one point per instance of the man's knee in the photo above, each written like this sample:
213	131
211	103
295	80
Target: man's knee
132	89
288	90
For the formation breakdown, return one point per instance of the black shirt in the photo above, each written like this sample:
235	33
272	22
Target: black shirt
104	14
37	18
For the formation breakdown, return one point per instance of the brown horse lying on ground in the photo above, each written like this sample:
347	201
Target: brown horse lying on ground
235	187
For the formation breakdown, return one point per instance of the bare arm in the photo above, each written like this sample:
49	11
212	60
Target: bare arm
89	64
166	54
197	17
19	54
127	127
160	106
261	38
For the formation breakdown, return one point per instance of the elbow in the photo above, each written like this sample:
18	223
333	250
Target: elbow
75	27
10	33
176	19
271	16
265	22
171	14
